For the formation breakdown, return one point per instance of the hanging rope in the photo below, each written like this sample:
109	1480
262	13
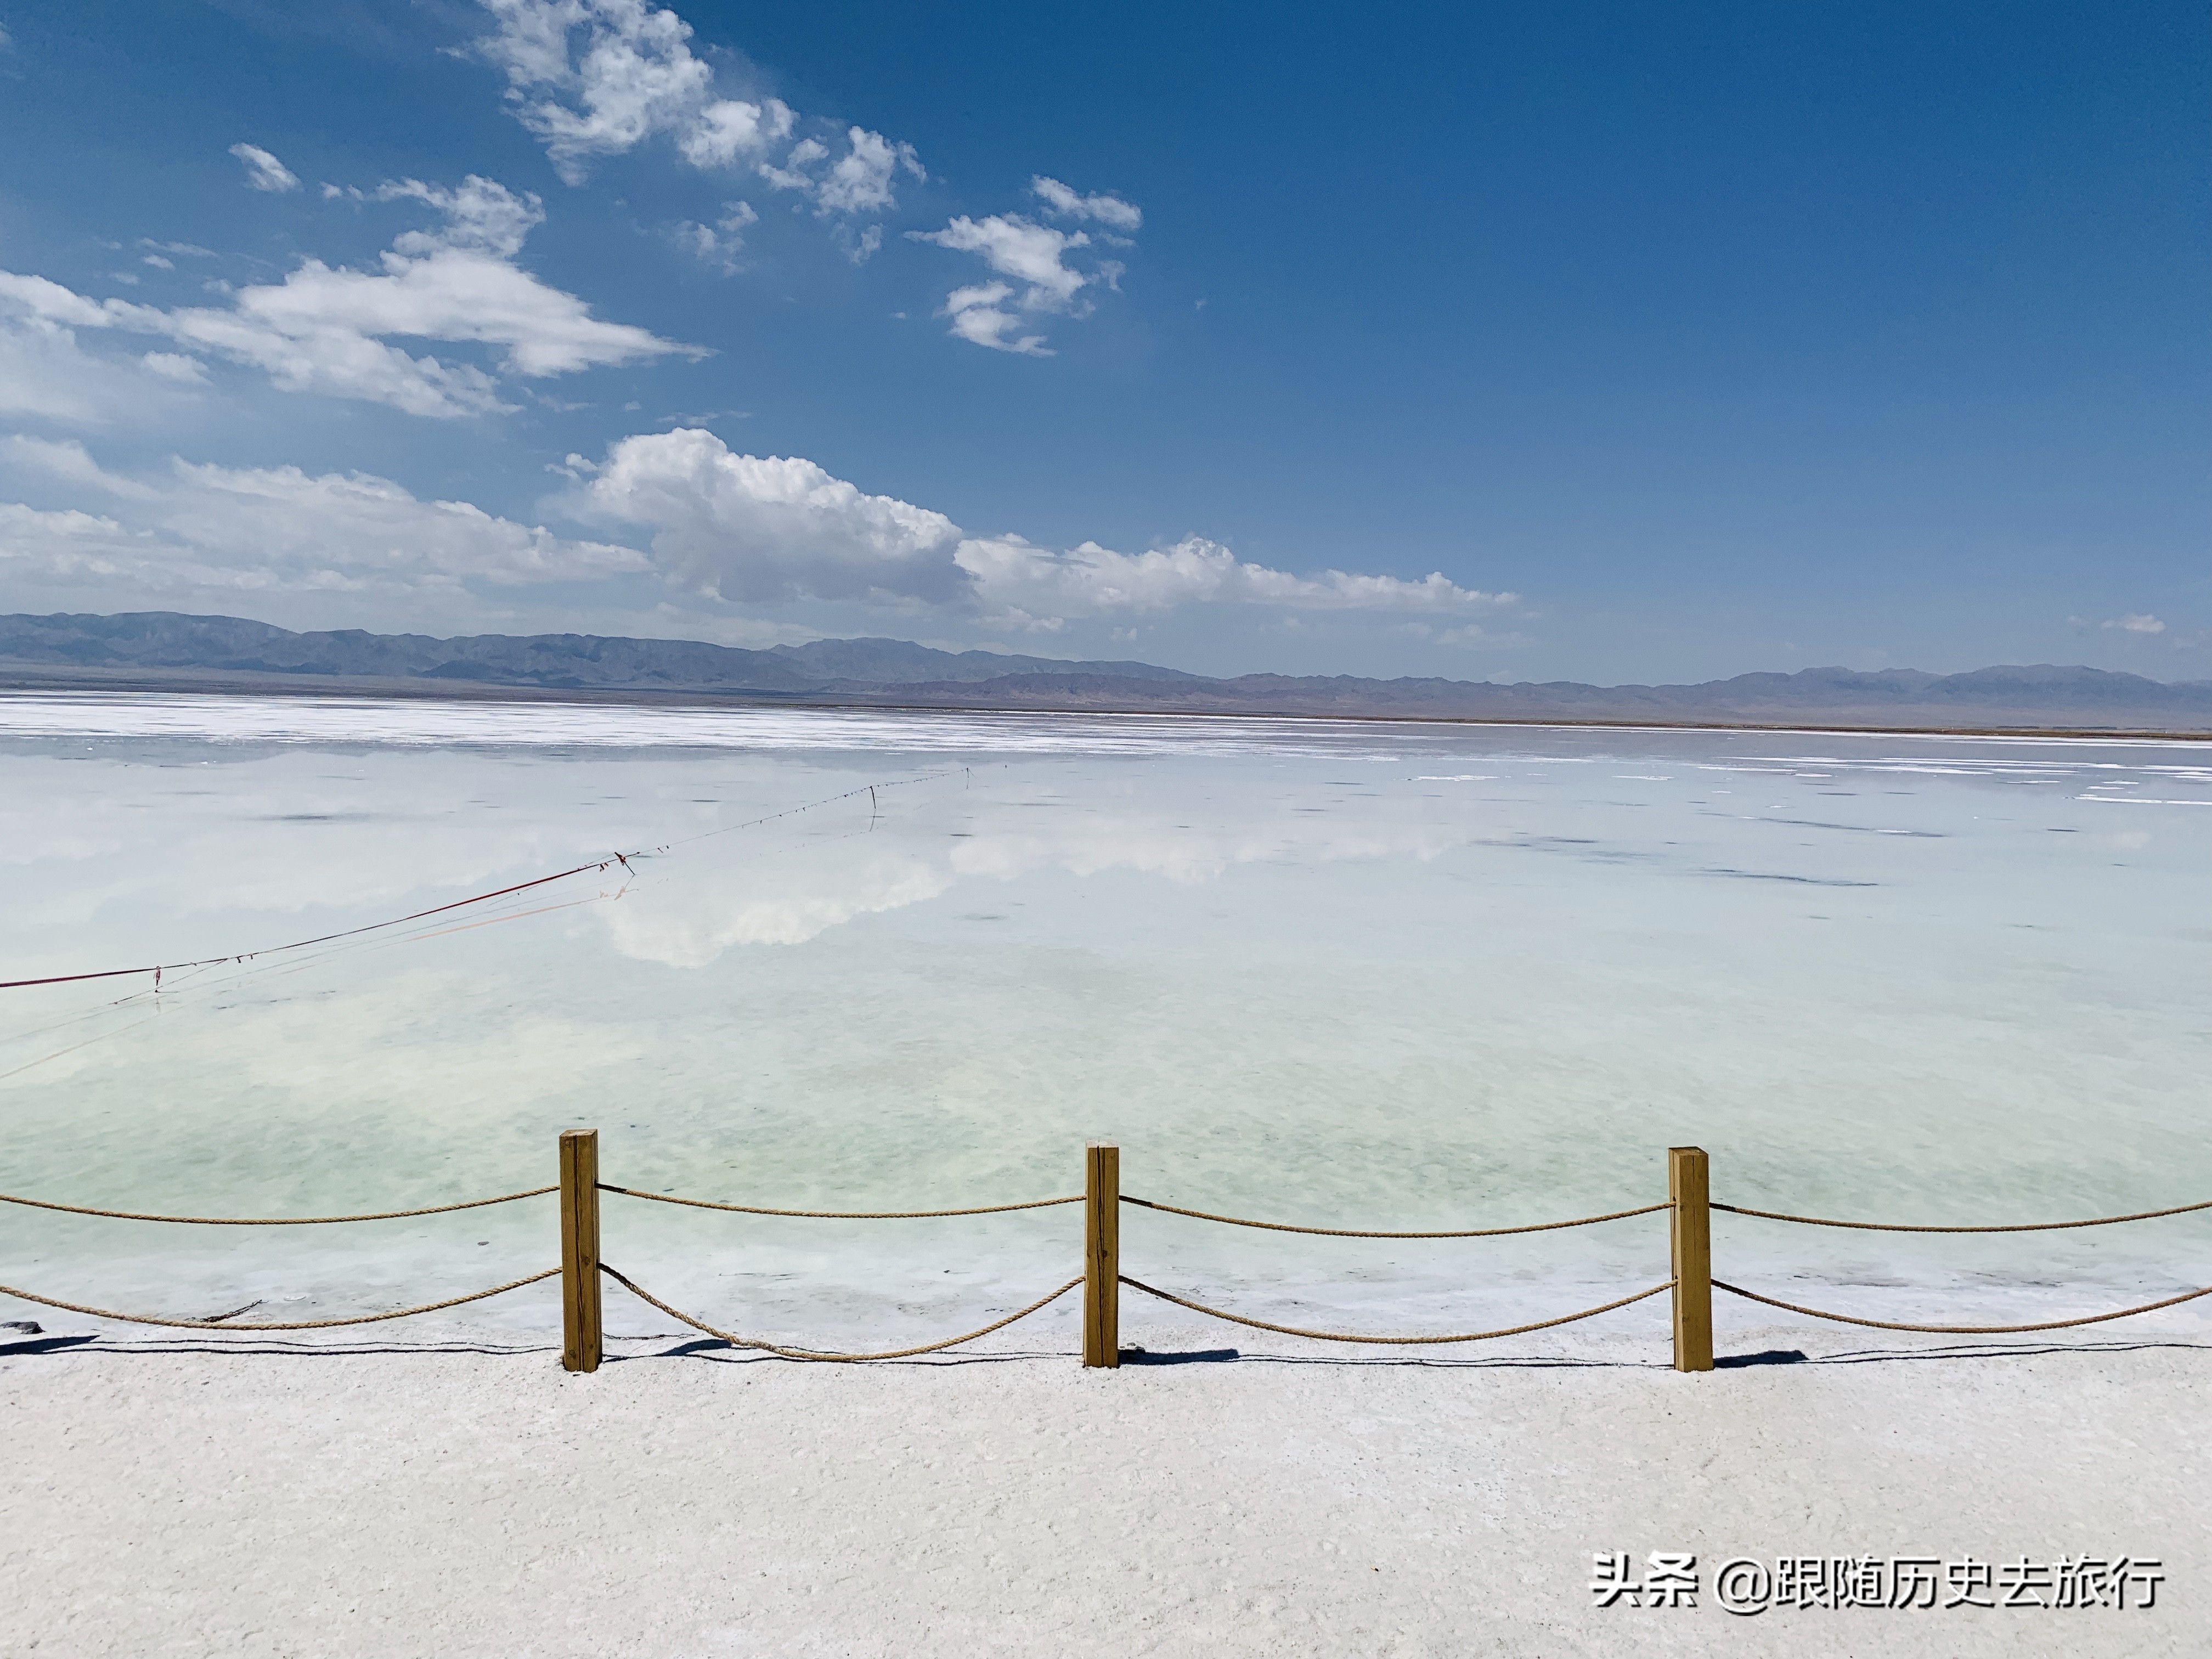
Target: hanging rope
293	1325
275	1221
736	1342
608	863
300	944
1391	1341
839	1215
1348	1232
1961	1330
2018	1227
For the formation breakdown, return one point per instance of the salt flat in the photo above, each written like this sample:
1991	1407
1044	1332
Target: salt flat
238	1496
1433	978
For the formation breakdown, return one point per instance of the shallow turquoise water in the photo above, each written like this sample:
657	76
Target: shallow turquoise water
1342	975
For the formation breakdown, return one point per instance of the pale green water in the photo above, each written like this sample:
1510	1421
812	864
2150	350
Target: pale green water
1346	975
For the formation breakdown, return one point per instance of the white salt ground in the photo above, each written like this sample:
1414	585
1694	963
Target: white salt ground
253	1497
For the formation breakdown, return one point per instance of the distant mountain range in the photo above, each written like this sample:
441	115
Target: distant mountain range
160	649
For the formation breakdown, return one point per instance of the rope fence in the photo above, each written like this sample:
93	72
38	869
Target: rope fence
1690	1282
1393	1341
290	1325
1354	1232
277	1221
735	1341
839	1215
2015	1227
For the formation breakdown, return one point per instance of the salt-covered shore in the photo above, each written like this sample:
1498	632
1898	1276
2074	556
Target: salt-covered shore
390	1495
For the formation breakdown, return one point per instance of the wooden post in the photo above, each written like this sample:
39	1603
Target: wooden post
1692	1226
579	1249
1101	1256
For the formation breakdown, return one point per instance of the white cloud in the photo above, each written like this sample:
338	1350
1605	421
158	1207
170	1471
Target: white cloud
323	329
273	529
175	366
730	128
1108	210
481	215
69	461
978	315
262	170
749	528
793	175
45	374
1024	581
597	77
863	247
861	180
720	243
632	74
2136	624
1013	246
1034	255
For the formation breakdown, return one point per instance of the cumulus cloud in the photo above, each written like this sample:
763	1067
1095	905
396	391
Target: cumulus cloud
262	170
763	529
272	528
593	78
325	329
729	128
2136	623
859	181
597	77
1108	208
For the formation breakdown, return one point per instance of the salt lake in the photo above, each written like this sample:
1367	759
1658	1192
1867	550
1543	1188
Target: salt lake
1355	975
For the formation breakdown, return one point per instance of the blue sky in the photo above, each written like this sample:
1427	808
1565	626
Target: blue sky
1603	342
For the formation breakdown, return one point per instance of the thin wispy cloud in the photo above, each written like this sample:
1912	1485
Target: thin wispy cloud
328	329
264	171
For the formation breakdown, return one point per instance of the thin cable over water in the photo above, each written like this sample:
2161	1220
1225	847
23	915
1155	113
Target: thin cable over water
613	859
